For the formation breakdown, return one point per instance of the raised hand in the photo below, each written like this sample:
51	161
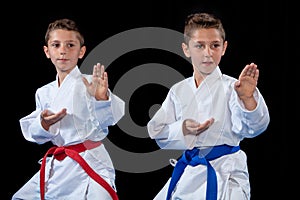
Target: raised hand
246	85
98	87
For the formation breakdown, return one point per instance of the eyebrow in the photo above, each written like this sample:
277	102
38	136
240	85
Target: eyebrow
200	41
61	41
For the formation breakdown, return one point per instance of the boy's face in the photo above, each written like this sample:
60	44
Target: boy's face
205	48
64	49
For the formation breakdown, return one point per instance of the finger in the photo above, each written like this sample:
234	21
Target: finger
256	75
237	84
43	114
249	72
85	81
211	121
105	77
253	70
102	70
245	71
63	110
94	71
99	69
207	123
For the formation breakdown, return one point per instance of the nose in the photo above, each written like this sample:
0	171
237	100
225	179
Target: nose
63	49
207	51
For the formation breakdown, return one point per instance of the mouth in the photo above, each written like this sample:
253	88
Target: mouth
207	62
62	59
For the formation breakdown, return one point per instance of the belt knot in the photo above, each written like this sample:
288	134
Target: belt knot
59	153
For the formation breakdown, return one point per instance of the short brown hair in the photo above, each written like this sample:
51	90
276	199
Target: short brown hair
65	24
202	20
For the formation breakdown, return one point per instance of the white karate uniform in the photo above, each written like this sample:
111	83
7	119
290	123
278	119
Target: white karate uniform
86	119
216	98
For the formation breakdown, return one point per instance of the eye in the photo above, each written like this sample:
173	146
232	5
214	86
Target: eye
215	45
55	45
199	46
71	45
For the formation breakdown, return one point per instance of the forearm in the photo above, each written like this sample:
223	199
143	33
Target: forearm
250	103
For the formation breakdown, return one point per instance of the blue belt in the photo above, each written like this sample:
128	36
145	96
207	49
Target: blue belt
191	157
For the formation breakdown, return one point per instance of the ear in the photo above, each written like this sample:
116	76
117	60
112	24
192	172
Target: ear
224	48
186	50
82	52
46	51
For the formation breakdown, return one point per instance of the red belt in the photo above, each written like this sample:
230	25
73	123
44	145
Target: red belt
73	152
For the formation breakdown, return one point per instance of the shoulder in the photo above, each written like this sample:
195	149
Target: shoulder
228	79
87	76
182	85
46	87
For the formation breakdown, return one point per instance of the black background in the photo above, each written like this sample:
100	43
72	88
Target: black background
256	32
